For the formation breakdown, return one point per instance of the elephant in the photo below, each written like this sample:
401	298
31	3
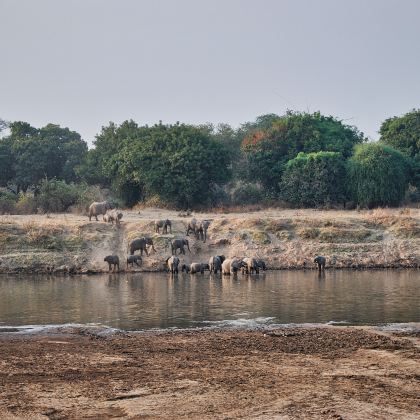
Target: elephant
320	262
215	263
202	229
198	268
179	243
186	268
141	244
113	260
164	224
117	216
172	263
193	227
97	208
261	264
250	266
134	259
232	265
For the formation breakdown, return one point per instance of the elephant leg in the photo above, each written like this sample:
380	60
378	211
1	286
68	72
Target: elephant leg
145	250
109	267
96	217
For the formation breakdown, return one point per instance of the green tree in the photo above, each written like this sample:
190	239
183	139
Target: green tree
269	149
403	133
314	180
179	163
377	175
49	152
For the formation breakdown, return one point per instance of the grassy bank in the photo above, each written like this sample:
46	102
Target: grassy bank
286	239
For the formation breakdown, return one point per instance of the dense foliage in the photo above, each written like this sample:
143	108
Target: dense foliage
302	159
403	133
178	163
377	175
314	180
270	148
29	155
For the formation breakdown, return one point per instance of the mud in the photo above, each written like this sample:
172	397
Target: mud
311	373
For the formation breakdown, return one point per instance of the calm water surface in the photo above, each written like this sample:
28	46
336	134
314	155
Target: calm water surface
152	300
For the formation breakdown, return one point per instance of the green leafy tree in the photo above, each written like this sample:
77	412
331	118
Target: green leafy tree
377	175
269	149
314	180
403	133
178	163
49	152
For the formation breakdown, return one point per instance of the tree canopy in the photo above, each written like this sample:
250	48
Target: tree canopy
314	180
34	154
269	149
178	163
377	175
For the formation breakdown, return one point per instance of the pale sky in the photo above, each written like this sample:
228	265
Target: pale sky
83	63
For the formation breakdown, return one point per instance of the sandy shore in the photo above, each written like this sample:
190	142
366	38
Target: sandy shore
311	373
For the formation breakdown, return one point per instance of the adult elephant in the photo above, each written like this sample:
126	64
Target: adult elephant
172	263
97	208
320	261
250	266
193	226
141	244
179	244
202	229
198	268
215	263
232	265
164	224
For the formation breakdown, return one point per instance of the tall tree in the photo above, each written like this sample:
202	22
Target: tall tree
269	149
378	175
403	133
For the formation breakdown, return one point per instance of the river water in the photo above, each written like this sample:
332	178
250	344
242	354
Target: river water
154	300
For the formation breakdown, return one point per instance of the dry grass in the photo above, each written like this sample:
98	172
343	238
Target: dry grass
284	238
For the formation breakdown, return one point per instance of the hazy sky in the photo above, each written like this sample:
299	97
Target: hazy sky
83	63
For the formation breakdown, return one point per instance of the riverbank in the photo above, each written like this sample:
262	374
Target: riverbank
286	239
311	373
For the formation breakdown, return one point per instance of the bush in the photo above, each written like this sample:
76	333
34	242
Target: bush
314	180
246	193
26	204
377	175
56	196
7	202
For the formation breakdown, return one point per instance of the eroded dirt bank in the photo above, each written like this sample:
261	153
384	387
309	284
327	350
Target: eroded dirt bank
311	373
62	243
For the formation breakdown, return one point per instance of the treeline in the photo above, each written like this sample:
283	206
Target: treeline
297	159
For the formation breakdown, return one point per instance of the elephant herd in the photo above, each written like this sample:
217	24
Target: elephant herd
226	266
217	264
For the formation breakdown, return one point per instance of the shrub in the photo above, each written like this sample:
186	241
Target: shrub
377	175
7	202
26	204
314	180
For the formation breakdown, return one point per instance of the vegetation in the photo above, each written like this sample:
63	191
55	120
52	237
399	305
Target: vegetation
299	159
314	180
377	175
269	149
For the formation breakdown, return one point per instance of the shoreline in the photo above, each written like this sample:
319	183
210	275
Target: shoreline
285	239
314	373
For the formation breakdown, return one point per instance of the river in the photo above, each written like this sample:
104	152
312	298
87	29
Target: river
141	301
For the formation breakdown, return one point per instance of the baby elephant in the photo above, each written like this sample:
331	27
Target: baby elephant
320	262
134	259
113	260
198	268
